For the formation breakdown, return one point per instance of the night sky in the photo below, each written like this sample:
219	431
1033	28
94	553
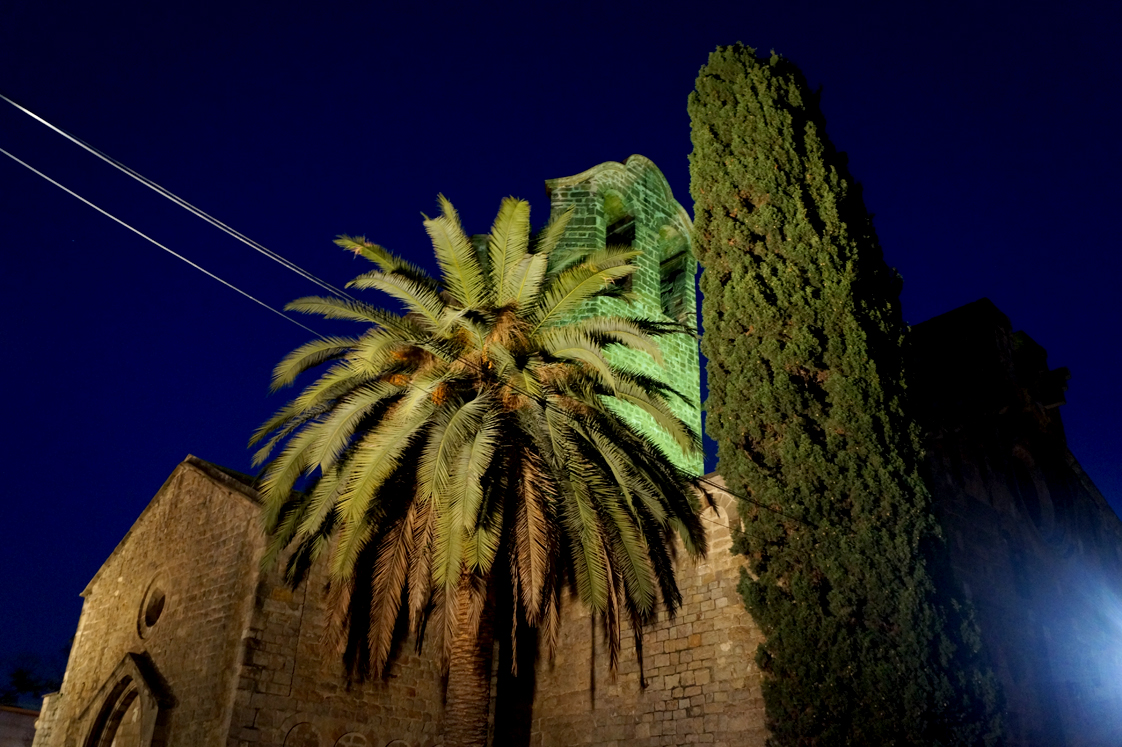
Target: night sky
986	140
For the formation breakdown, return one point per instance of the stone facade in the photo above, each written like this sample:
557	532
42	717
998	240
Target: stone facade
702	685
165	608
184	641
1034	544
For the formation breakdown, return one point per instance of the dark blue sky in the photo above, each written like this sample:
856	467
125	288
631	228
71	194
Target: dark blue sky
985	138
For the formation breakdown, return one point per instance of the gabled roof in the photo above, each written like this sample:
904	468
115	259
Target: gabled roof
226	478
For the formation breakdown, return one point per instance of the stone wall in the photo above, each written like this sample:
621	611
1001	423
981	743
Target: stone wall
702	683
48	719
293	690
235	657
1033	543
230	656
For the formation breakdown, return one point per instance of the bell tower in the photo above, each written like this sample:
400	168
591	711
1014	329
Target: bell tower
631	203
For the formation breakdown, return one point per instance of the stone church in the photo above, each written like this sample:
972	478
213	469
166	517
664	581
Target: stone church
184	641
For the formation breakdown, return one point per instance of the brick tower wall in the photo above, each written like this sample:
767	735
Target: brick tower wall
635	195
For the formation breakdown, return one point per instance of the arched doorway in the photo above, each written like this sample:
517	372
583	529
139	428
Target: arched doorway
118	721
131	707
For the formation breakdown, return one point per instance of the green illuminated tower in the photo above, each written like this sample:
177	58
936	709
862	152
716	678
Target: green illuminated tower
631	203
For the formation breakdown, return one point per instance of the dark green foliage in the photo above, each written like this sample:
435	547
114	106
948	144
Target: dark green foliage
804	337
28	678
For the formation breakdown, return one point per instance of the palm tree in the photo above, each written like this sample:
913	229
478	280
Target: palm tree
475	441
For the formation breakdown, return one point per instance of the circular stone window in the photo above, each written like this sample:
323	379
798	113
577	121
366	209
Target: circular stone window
151	609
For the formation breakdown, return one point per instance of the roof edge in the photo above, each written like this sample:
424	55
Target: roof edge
211	471
20	711
636	161
228	478
1093	490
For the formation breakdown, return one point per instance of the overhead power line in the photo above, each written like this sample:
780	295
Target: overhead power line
152	240
259	248
182	203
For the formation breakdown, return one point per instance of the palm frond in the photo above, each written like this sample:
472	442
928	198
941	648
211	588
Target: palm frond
628	333
340	599
611	616
524	282
420	566
458	260
309	355
330	307
286	528
612	255
391	568
550	236
508	244
440	472
386	260
533	522
500	359
590	563
377	458
284	422
578	518
655	387
688	441
282	473
551	619
475	460
474	599
628	547
337	428
567	344
422	301
280	526
522	383
565	293
332	384
446	610
380	353
482	546
571	257
452	426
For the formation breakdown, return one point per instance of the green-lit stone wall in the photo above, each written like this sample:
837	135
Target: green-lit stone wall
632	203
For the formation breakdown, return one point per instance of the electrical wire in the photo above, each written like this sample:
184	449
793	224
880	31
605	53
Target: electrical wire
294	268
152	240
257	247
183	203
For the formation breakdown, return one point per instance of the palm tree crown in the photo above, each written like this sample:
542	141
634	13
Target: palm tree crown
473	441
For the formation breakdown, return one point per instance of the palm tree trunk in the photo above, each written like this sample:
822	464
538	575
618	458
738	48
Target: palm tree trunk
469	675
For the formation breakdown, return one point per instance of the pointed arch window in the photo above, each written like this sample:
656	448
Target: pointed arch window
620	229
675	276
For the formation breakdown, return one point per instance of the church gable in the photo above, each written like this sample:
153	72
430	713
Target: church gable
176	593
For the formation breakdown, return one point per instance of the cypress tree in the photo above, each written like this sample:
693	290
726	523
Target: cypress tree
804	337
